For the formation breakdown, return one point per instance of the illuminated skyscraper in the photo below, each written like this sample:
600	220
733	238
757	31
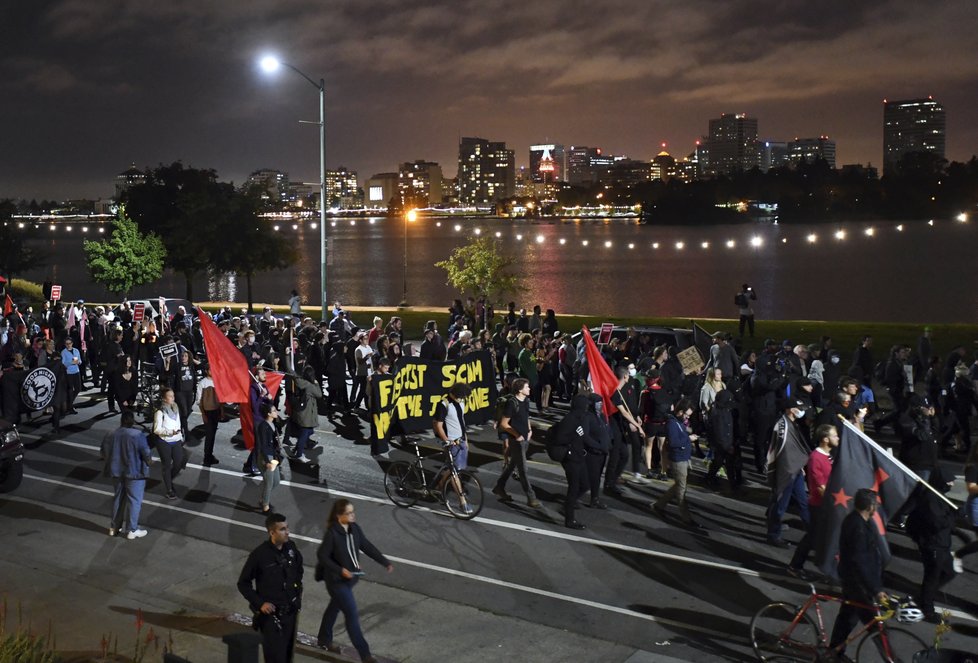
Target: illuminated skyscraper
486	171
912	125
732	144
558	159
420	184
809	149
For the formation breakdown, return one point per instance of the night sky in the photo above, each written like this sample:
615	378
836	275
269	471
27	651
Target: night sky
89	86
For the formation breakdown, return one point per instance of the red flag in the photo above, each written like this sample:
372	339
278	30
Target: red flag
229	368
8	305
602	377
272	382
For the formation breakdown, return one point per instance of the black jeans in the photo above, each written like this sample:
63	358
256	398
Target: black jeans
171	459
747	320
808	540
849	615
937	571
278	636
185	402
516	461
577	483
617	459
211	419
595	464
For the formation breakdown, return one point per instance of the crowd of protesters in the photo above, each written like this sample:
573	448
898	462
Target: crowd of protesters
730	417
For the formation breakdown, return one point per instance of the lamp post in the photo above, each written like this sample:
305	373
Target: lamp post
409	216
270	64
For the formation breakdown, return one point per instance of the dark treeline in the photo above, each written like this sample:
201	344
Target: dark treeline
920	186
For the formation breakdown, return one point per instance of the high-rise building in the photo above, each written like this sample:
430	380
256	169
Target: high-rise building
774	154
809	149
128	178
664	167
486	171
912	125
382	190
732	144
342	190
419	184
588	165
555	163
274	183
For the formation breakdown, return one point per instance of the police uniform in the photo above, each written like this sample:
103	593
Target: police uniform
274	576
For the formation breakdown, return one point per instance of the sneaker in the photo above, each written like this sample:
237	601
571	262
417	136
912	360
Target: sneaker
957	563
801	574
211	460
171	495
597	504
302	459
638	478
112	532
331	647
136	534
501	494
575	525
533	503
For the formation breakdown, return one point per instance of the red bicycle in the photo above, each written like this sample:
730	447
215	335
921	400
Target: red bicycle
783	632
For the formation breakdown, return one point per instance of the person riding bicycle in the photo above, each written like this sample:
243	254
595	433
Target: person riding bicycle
860	567
449	424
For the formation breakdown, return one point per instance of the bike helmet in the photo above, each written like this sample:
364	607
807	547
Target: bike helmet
908	612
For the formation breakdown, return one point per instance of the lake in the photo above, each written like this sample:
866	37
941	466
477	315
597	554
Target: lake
920	274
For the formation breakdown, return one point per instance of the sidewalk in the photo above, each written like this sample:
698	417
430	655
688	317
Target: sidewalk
59	565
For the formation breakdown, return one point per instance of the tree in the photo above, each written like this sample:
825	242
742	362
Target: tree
127	258
248	243
481	270
16	257
183	206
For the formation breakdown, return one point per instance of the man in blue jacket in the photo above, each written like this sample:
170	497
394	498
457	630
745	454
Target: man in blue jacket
680	450
127	457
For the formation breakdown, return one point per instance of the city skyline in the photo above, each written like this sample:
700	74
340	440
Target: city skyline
92	87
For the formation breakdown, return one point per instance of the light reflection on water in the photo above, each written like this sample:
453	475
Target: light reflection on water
923	274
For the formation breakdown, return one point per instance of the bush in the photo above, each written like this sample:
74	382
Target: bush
21	290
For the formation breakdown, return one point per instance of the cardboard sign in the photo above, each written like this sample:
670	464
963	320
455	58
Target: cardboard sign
168	350
138	312
55	293
604	336
690	360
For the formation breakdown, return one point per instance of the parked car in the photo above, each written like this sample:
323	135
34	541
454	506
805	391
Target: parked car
681	338
11	457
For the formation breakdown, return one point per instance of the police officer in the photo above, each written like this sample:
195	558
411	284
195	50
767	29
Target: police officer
271	580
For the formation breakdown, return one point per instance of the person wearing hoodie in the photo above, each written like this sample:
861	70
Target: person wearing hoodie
598	445
571	432
930	524
721	438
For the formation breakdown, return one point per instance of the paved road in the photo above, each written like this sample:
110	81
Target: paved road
513	582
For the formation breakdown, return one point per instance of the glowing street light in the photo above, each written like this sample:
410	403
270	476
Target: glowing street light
812	238
840	235
870	231
680	245
271	64
731	243
962	217
756	241
409	217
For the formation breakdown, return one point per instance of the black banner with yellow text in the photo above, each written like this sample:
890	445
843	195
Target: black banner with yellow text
405	402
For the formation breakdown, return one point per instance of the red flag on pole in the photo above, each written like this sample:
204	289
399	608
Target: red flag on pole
229	369
8	305
602	377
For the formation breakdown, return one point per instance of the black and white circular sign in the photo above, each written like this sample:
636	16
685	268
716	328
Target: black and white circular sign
38	389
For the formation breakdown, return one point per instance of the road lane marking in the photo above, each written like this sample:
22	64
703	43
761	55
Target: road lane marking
574	538
409	562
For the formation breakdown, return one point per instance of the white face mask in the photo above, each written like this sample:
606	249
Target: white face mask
632	372
799	414
834	360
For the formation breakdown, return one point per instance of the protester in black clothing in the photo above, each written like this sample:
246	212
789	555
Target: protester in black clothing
10	385
918	433
515	423
860	566
598	444
930	524
722	441
111	356
572	432
338	564
185	389
125	384
271	581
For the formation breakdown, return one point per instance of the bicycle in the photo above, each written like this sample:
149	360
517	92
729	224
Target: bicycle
147	394
460	490
782	632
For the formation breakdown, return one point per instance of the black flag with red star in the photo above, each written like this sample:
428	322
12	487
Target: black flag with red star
860	463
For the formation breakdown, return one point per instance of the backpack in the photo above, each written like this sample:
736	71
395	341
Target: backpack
559	438
208	399
740	299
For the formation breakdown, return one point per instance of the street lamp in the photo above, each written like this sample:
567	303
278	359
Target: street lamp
270	64
409	217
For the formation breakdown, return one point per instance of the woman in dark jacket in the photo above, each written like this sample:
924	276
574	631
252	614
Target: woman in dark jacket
125	384
339	565
723	440
336	377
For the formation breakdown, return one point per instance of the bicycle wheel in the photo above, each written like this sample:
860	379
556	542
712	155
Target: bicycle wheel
401	484
775	636
467	504
899	647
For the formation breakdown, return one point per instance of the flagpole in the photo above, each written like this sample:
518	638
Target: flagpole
895	461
